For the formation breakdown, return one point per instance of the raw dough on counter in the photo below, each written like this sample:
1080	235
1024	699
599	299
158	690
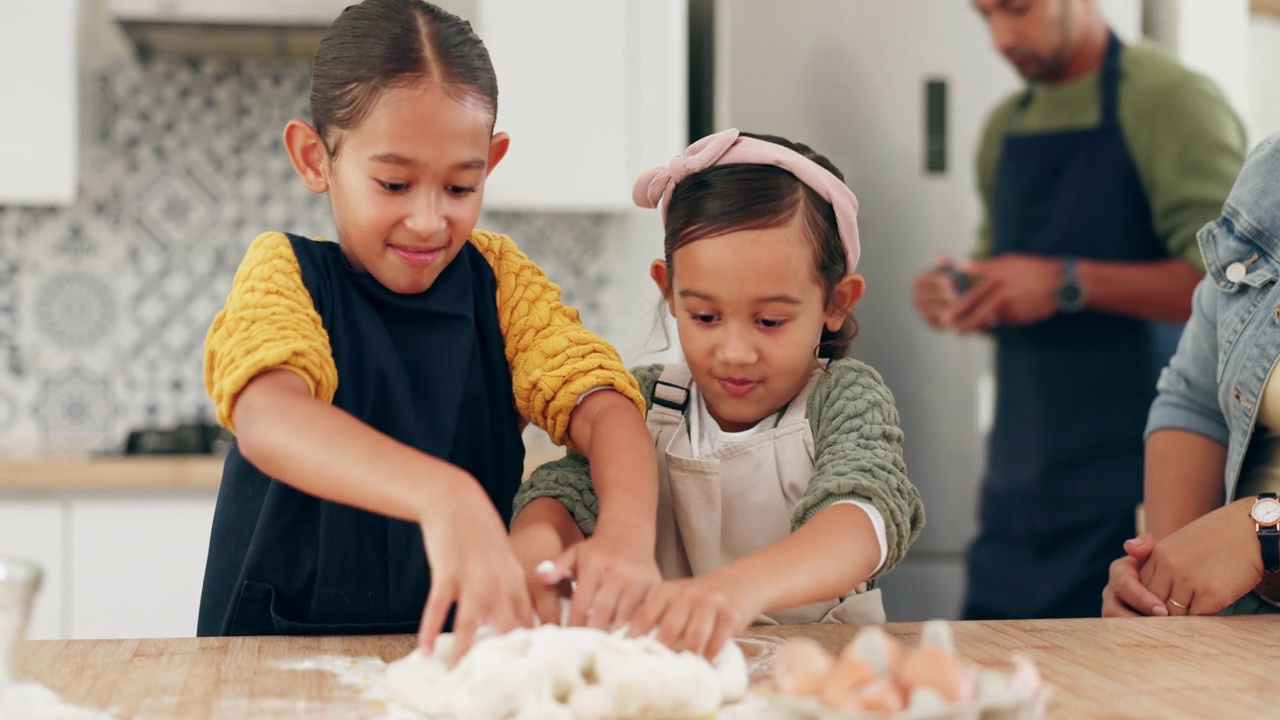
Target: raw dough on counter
567	673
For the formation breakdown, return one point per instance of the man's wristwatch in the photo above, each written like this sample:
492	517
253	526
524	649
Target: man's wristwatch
1069	295
1266	517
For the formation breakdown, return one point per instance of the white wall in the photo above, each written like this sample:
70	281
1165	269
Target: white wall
1264	76
1211	37
1125	17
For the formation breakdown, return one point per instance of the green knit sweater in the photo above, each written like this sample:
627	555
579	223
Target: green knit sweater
1185	140
857	447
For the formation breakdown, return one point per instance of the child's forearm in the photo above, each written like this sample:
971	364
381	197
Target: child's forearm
624	467
824	559
323	451
548	513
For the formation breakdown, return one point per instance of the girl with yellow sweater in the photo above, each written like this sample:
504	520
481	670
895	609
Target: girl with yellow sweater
377	386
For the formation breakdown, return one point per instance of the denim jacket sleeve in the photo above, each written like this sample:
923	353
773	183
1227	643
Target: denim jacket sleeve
1188	388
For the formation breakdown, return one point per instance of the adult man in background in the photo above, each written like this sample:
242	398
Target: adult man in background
1095	180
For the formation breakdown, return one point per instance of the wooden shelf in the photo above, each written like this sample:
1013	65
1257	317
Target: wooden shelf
151	472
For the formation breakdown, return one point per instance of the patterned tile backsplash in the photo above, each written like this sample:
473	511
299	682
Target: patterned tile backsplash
104	304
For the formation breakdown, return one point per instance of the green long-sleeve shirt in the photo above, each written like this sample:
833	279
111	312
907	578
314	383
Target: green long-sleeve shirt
857	456
1186	142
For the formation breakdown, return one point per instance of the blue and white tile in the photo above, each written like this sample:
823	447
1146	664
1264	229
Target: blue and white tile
567	248
77	404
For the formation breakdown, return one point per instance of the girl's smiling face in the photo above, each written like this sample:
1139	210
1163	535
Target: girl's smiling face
750	311
406	183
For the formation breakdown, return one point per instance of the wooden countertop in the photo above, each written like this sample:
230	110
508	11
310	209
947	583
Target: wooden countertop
1142	668
133	473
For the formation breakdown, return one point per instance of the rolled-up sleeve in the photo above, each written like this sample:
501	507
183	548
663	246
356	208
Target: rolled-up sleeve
553	358
858	455
1187	390
568	480
268	322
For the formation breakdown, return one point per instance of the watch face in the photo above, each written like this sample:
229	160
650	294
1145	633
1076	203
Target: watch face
1266	511
1070	298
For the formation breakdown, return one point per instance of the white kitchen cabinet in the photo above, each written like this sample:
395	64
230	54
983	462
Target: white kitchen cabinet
137	564
39	121
573	93
33	530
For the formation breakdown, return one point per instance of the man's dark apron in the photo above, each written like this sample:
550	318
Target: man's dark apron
1065	454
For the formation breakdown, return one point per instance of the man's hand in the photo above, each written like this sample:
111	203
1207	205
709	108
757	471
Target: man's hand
1010	289
934	293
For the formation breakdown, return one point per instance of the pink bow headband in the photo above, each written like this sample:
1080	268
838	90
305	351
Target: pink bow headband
727	147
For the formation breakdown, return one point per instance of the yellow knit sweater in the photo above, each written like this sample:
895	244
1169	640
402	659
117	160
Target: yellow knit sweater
270	322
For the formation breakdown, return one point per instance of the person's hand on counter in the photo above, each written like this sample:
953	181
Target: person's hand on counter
1125	595
1208	564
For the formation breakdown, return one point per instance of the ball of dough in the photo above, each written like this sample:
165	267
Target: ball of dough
554	673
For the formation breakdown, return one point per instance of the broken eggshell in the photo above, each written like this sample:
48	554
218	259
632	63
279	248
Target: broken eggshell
930	682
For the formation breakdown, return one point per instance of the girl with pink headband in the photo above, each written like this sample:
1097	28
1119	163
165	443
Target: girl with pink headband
783	492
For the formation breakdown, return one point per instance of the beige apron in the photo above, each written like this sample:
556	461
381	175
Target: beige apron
738	500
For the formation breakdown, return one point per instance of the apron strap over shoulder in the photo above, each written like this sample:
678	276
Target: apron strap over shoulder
671	394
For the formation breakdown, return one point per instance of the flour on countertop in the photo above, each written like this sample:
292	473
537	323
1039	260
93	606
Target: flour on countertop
751	707
29	700
366	674
762	661
32	701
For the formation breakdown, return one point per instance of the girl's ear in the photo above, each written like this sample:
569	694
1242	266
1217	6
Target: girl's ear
661	275
499	144
846	294
307	153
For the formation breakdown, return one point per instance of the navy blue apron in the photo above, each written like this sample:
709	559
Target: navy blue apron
1065	454
428	370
